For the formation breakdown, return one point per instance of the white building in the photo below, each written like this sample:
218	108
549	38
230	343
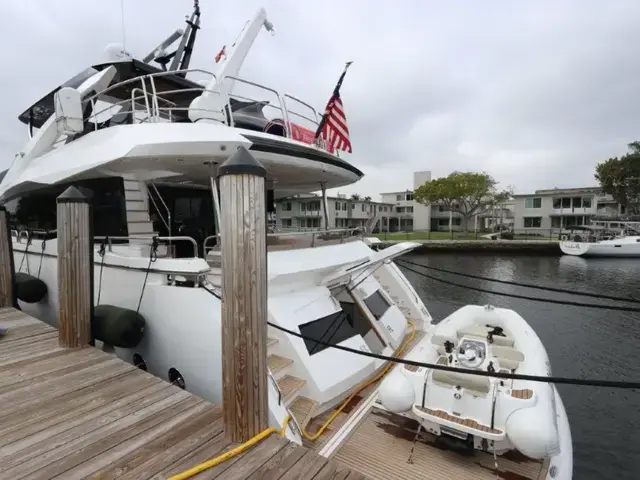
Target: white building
305	211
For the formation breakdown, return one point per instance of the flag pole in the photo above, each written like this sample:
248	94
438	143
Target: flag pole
336	91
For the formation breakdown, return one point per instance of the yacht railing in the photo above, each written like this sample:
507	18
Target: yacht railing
167	223
109	240
156	105
317	235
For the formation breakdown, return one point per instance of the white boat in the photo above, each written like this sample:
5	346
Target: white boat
470	412
145	143
611	238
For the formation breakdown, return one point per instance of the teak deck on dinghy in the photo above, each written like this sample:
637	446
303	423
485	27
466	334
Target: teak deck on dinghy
83	413
382	443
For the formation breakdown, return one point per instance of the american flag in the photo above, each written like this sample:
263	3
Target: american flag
333	127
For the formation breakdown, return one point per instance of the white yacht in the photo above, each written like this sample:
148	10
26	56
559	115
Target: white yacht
604	238
145	142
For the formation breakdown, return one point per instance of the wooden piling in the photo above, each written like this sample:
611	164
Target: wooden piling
244	296
7	268
75	269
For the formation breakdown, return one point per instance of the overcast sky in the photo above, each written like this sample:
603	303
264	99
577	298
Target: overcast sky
533	92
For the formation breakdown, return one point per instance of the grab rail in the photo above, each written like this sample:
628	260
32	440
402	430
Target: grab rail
160	239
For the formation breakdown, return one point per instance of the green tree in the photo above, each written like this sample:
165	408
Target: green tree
467	193
355	196
620	178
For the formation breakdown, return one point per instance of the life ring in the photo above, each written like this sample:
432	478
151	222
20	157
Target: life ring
564	238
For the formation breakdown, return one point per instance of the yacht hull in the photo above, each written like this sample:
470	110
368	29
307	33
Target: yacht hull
183	323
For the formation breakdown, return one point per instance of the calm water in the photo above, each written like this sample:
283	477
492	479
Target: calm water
581	342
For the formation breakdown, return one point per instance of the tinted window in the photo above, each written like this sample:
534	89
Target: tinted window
191	215
37	210
377	304
332	329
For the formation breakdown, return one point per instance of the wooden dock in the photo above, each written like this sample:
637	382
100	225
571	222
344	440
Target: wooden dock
83	413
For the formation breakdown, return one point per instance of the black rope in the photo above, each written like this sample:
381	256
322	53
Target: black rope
153	256
480	373
101	251
24	255
526	285
524	297
43	245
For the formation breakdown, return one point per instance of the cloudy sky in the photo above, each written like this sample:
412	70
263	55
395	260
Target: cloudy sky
533	92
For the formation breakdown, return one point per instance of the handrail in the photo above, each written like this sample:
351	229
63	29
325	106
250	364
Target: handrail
154	109
275	385
143	77
268	89
160	239
168	225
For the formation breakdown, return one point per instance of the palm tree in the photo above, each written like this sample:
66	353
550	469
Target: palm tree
355	196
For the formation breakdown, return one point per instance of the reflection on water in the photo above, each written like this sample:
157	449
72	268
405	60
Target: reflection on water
581	342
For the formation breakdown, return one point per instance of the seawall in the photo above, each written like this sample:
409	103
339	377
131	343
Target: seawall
512	247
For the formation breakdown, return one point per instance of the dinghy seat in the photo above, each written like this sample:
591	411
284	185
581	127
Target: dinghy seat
508	358
482	332
441	340
480	386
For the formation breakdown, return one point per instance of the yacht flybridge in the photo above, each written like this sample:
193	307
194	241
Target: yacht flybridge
145	142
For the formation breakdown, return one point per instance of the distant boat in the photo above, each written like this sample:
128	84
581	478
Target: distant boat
605	238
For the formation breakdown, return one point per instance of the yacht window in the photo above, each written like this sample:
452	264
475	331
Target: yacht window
333	329
191	215
377	304
36	210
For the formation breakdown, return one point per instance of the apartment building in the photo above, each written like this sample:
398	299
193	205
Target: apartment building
558	208
305	211
407	214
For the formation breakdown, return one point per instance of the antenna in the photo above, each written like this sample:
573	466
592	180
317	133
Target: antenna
181	57
124	38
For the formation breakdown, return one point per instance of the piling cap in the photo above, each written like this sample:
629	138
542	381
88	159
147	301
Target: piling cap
242	163
72	195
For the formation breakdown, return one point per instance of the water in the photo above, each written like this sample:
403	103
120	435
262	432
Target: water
581	342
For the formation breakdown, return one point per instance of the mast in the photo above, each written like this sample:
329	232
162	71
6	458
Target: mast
215	96
181	58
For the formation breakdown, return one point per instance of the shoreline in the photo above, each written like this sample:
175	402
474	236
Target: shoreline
538	247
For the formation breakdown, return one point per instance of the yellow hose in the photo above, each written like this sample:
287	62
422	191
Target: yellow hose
361	387
233	452
264	434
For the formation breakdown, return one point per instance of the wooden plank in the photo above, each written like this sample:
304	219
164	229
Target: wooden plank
108	450
22	332
307	467
45	392
67	413
35	376
280	463
43	365
168	453
81	413
60	448
211	449
244	464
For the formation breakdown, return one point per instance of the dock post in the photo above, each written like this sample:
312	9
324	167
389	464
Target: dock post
7	269
244	296
75	268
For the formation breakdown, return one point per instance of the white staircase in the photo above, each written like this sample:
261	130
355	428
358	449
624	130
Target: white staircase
137	207
300	407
